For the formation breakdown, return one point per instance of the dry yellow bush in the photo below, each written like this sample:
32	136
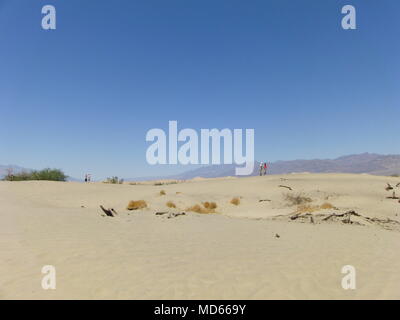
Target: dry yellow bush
162	193
296	199
327	205
309	208
170	204
306	209
134	205
208	207
235	201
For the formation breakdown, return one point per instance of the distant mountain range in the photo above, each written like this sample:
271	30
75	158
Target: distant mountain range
358	163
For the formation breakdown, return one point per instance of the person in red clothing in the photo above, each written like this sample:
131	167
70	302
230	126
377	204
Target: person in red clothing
265	168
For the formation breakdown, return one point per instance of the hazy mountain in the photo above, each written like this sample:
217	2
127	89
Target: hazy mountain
214	171
360	163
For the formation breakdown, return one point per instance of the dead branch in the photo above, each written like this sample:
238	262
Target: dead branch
287	187
161	213
174	215
295	216
170	214
389	187
393	196
348	214
108	212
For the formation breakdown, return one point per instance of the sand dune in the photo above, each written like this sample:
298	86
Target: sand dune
253	250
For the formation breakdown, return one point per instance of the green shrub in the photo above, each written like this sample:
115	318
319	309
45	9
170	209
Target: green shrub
45	174
114	180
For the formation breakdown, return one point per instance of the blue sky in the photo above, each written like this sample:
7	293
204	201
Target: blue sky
83	96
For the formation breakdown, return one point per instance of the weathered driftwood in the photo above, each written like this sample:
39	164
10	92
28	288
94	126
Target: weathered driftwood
108	212
262	200
287	187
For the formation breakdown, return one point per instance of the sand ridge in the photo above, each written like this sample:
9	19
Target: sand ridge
233	253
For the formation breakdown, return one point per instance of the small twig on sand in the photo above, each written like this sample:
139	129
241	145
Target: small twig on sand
282	186
389	187
295	216
174	215
170	214
161	213
393	196
264	200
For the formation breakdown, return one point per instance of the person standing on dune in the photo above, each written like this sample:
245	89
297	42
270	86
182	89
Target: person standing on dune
261	168
265	168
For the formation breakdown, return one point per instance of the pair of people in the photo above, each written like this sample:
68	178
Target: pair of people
87	177
263	168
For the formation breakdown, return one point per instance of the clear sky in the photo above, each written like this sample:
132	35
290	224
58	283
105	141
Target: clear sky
83	96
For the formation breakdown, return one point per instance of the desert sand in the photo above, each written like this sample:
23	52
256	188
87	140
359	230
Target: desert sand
253	250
